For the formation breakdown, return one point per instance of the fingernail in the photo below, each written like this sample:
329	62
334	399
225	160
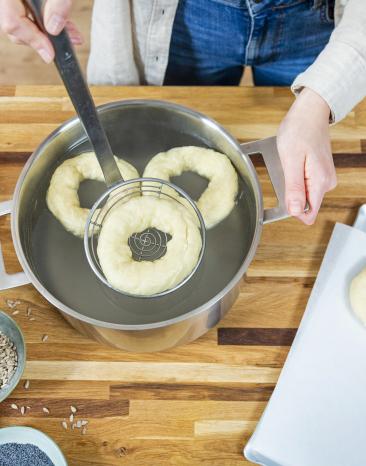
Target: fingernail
295	208
55	24
45	55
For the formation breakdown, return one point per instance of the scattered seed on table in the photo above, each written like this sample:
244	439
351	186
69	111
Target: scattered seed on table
22	410
83	431
14	313
44	338
73	426
73	409
71	417
14	406
32	318
29	311
12	304
84	422
45	410
64	424
26	384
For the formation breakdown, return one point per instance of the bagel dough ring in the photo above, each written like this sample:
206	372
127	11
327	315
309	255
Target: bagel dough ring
62	196
148	277
218	199
357	295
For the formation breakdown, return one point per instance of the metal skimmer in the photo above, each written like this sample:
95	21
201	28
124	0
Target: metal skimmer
146	245
150	244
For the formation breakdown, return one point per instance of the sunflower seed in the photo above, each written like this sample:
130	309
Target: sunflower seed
22	410
8	360
14	406
64	424
73	409
83	431
12	304
45	410
71	418
32	318
14	313
26	384
44	338
84	422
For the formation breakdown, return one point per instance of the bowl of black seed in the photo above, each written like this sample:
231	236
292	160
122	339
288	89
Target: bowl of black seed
25	446
12	355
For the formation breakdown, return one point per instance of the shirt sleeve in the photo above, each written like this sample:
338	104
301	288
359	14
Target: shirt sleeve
339	72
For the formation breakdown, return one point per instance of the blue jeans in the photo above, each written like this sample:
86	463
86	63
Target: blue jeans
213	40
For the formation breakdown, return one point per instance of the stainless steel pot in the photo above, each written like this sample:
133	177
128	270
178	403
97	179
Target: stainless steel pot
54	260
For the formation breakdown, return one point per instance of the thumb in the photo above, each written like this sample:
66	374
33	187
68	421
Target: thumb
294	171
56	13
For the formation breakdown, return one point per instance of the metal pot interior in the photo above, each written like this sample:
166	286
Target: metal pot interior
137	131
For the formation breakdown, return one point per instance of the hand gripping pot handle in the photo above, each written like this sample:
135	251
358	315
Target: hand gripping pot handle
268	149
9	280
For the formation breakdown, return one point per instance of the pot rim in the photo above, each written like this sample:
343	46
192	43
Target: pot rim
153	325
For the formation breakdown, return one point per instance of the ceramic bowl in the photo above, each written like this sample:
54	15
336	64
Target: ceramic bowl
23	434
10	328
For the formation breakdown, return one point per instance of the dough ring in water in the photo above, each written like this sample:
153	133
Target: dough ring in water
357	295
62	196
146	278
218	199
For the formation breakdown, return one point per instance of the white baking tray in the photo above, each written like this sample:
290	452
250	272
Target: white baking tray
317	413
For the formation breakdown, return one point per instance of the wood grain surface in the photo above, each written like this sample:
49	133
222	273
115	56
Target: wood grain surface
199	403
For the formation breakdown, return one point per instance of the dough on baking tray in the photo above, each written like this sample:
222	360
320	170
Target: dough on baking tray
62	196
357	295
148	277
218	199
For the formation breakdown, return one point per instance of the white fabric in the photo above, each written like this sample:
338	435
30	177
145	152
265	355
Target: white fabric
130	42
339	72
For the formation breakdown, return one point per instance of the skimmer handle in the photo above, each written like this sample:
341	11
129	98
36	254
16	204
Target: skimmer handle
69	70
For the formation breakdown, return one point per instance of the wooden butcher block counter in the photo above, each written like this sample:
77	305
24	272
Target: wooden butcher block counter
199	403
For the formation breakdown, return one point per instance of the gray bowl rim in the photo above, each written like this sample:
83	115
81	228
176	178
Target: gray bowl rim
152	325
20	369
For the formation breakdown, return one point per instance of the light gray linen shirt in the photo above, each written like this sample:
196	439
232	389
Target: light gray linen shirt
130	42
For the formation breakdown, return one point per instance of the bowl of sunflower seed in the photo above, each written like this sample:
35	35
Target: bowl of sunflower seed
12	355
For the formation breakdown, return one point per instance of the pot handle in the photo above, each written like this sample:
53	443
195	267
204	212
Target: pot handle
16	279
268	149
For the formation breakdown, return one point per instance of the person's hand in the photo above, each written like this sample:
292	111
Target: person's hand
15	22
304	146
